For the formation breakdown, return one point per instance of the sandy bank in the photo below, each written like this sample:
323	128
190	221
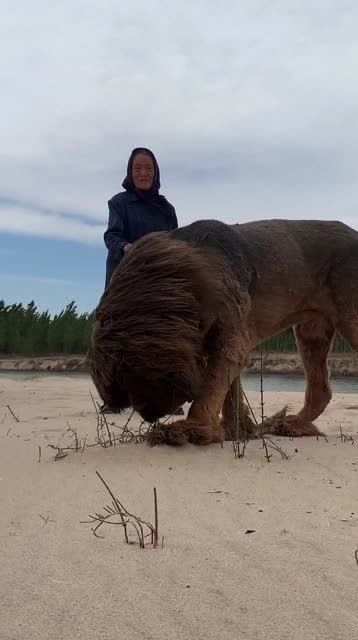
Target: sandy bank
293	578
340	364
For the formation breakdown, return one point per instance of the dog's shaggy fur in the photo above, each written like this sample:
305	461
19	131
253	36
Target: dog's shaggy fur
184	309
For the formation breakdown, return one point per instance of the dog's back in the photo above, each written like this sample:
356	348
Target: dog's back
288	266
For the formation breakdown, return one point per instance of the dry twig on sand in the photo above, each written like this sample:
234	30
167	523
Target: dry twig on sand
258	430
241	438
101	424
117	514
12	413
75	444
105	437
344	438
262	385
46	520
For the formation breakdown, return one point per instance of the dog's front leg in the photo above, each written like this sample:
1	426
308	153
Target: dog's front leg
202	426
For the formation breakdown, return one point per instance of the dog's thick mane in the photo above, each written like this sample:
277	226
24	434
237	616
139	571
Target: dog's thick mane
165	283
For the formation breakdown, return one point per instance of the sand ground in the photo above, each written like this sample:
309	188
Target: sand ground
294	577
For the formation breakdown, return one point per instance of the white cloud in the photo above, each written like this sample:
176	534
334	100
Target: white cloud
250	106
27	221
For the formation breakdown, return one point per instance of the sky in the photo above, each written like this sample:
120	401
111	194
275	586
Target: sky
250	108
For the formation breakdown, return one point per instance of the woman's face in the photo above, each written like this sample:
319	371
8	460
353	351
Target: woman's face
142	171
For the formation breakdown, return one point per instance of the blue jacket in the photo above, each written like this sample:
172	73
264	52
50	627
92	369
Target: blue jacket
130	218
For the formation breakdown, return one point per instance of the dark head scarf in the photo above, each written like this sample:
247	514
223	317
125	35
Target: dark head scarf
151	196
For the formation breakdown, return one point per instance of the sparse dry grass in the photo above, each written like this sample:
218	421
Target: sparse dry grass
116	514
111	434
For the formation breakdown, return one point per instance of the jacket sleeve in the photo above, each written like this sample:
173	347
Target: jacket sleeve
174	220
114	237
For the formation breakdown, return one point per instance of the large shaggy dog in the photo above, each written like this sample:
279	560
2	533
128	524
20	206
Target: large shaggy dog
184	309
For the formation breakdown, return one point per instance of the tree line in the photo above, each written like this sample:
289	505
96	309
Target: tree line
26	331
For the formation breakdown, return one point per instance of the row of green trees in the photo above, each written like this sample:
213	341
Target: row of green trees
26	331
285	343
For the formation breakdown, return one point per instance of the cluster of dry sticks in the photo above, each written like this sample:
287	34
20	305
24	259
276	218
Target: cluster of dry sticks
241	438
107	438
12	414
344	438
117	514
110	434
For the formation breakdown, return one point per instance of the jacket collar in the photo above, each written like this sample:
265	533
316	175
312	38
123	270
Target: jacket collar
132	197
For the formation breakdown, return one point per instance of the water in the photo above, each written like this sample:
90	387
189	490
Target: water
282	382
31	375
251	381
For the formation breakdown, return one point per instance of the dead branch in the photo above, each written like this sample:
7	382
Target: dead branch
262	385
12	413
155	541
108	430
343	437
240	437
126	519
75	444
46	520
266	441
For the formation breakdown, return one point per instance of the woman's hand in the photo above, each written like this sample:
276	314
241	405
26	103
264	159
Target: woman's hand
127	247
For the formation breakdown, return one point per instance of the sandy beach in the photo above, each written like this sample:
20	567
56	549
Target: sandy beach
341	364
294	577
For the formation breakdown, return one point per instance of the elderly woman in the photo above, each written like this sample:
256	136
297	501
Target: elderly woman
134	212
137	210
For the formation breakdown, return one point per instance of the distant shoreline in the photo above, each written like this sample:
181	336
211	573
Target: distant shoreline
341	364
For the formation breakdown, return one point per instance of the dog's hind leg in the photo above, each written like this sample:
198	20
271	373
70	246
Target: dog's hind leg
345	293
349	330
314	339
238	421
